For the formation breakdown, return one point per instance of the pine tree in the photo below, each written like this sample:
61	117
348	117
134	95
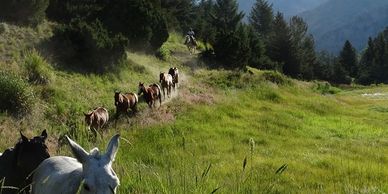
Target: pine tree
226	16
231	44
179	14
303	45
138	20
280	47
204	29
367	65
261	17
348	59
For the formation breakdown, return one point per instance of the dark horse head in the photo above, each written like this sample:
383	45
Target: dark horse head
17	164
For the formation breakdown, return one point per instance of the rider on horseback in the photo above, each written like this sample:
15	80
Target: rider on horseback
191	34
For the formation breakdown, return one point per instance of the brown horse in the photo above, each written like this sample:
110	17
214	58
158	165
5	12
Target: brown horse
166	81
18	163
151	94
173	71
126	101
96	119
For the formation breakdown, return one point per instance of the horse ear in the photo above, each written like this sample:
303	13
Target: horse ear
78	151
24	138
44	135
112	148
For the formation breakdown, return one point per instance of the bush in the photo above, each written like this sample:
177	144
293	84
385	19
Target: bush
163	52
325	88
276	77
38	70
88	46
25	12
4	28
15	94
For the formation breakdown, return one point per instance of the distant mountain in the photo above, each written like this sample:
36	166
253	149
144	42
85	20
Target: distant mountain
287	7
336	21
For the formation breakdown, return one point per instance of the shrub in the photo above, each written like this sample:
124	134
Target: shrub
163	52
88	46
15	94
4	28
38	71
25	12
325	88
275	77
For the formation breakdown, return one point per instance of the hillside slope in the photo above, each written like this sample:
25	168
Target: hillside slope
335	21
287	7
226	131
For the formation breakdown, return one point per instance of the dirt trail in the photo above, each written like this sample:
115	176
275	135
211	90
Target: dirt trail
166	112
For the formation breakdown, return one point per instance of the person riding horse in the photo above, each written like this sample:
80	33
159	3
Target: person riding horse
190	41
191	34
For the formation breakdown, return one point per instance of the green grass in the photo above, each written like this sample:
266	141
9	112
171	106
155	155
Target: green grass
226	132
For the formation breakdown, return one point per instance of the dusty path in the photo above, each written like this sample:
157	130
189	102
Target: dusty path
166	112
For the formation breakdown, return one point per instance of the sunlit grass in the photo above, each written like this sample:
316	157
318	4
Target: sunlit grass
306	140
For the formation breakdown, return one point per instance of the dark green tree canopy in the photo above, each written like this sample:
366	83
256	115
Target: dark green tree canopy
261	17
348	59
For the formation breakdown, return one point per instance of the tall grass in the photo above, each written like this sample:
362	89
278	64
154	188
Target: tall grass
37	69
15	94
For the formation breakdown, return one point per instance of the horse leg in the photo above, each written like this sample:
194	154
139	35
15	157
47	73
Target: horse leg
127	116
169	89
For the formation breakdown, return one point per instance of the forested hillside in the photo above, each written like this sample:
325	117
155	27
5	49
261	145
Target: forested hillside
338	20
289	8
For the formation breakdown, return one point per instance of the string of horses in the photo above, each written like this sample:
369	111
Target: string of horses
126	103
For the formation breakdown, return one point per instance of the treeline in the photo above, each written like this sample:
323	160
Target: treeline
268	41
94	35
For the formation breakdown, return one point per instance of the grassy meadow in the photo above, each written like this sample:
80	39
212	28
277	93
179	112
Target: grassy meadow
224	132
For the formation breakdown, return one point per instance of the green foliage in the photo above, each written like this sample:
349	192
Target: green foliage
280	47
15	94
348	59
24	12
179	14
37	69
261	17
276	77
164	52
138	20
232	49
4	28
88	46
373	68
325	88
64	11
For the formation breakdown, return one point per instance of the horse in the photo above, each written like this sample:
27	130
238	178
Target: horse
173	71
18	163
126	101
96	119
86	173
190	43
151	94
166	82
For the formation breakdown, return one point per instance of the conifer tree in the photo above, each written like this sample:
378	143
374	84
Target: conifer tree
231	43
280	47
348	59
261	17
